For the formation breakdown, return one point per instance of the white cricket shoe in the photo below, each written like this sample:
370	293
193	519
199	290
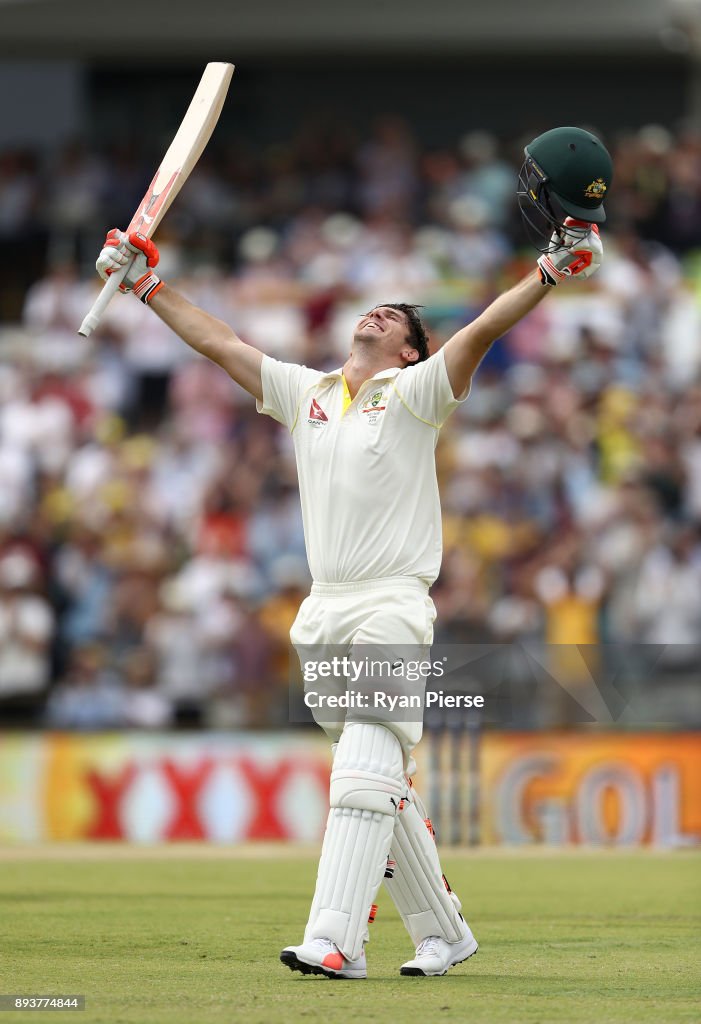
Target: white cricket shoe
434	955
322	956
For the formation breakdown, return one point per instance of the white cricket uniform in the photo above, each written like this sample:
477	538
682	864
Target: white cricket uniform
370	503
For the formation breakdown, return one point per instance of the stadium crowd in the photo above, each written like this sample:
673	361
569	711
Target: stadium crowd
151	548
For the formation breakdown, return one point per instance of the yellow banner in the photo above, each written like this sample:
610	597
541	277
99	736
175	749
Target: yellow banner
617	789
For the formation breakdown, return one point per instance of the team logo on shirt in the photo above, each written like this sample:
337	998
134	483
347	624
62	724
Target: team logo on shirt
374	406
317	416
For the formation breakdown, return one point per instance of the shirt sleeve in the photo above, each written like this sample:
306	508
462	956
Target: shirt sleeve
284	386
425	390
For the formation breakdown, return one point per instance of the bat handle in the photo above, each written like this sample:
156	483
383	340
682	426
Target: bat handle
103	300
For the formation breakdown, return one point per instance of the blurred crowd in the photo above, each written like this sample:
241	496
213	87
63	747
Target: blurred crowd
151	548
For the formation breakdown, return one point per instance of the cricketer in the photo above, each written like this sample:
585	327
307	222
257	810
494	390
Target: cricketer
364	438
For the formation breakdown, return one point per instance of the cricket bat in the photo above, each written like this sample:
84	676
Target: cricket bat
183	153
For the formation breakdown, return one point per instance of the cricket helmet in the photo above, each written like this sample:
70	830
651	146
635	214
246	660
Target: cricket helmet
566	174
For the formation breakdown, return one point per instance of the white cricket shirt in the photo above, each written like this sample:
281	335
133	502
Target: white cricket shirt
367	473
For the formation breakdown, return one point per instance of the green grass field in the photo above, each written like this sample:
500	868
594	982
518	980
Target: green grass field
188	937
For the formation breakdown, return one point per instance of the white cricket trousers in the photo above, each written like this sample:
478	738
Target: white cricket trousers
375	615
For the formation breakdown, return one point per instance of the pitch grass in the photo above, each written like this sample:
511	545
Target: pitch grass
188	938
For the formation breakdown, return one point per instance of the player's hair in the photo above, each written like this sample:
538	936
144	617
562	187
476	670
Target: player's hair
418	338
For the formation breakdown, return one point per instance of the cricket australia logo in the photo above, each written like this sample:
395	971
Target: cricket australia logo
596	190
374	406
317	416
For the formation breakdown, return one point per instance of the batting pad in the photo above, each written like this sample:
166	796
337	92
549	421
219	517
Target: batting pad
367	786
417	887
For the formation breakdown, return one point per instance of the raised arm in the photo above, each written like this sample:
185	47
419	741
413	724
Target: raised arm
204	333
211	338
466	349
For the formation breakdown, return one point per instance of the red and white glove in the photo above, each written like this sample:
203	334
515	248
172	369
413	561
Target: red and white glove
578	255
138	251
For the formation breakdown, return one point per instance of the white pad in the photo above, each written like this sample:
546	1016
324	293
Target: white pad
367	786
417	887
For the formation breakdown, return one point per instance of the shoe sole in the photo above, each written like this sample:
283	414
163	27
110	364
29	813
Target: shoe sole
416	972
292	961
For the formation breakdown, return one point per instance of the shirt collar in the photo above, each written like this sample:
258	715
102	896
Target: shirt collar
387	374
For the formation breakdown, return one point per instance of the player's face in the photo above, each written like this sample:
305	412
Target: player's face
387	327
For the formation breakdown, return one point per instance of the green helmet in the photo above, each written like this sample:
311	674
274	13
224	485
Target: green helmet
567	172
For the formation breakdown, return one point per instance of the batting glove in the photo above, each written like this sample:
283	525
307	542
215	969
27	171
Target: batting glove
138	251
578	256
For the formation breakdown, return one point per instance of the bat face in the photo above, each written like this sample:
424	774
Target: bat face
148	214
182	155
185	149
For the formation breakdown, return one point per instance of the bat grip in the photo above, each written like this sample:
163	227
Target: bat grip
103	300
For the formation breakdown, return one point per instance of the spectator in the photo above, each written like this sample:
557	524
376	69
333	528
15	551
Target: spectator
26	628
145	705
88	696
